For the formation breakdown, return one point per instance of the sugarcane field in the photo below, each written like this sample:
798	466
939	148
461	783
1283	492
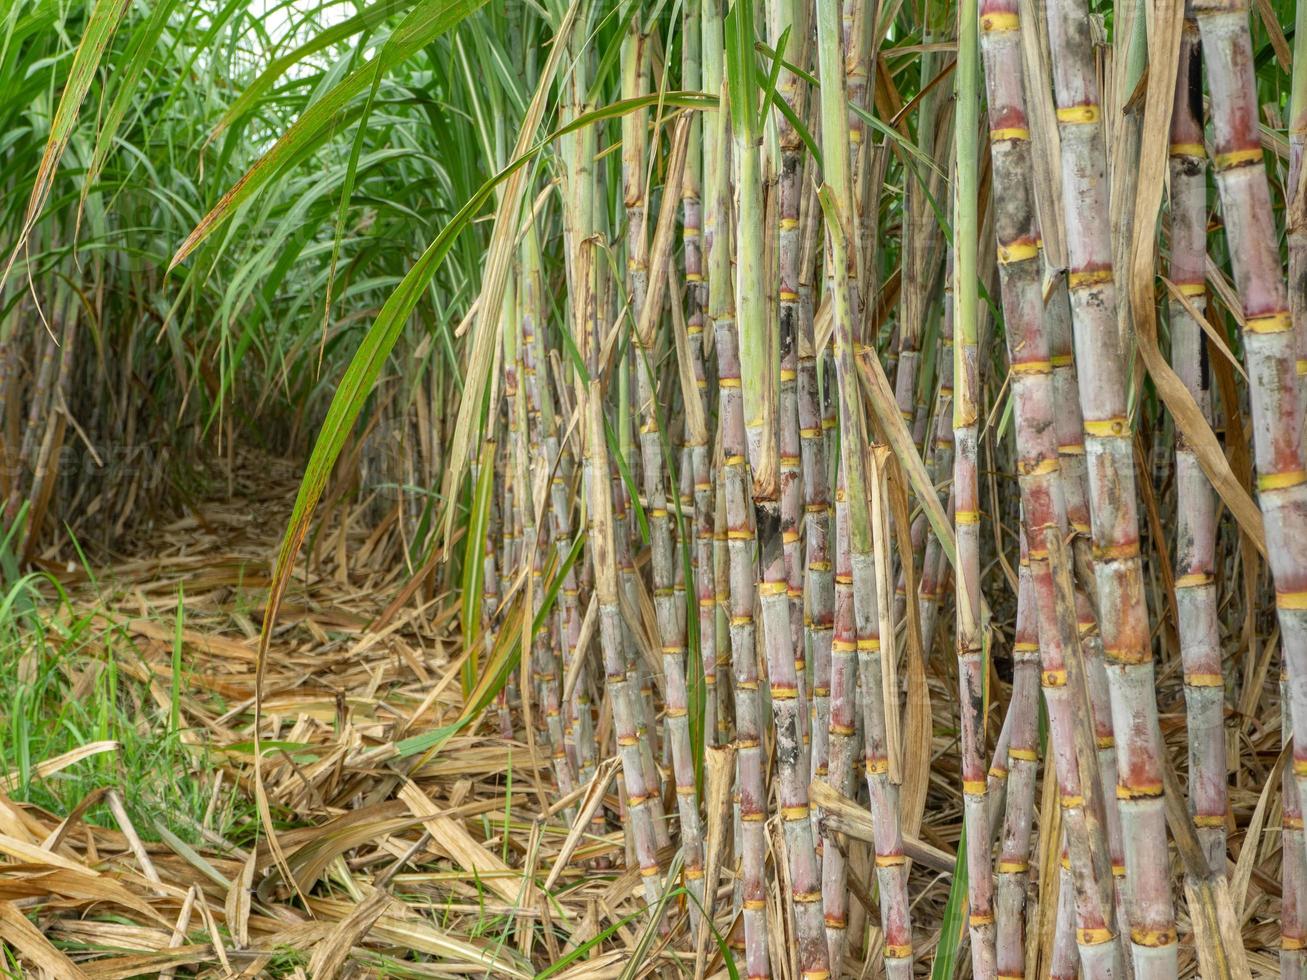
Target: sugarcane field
722	489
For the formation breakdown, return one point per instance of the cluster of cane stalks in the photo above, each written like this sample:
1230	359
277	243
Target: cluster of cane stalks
822	364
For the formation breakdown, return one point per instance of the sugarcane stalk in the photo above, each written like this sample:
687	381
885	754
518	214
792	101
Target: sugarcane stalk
1195	511
1063	960
40	399
1013	867
44	472
818	575
1041	485
759	353
520	301
818	578
489	558
736	498
790	468
748	709
634	83
1047	190
934	567
579	232
921	270
856	25
696	438
1100	714
758	350
966	489
842	728
1118	572
841	220
1293	916
621	697
785	20
1271	349
668	605
540	415
716	272
1296	188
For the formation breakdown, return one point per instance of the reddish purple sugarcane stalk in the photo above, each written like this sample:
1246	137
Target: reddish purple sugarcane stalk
1013	867
842	225
1270	347
1293	916
843	727
1196	515
934	566
1123	622
736	499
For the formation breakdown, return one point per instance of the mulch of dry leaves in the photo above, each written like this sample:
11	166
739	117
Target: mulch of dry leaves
454	863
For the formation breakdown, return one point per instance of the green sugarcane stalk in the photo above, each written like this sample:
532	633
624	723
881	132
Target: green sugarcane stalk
759	364
579	230
966	489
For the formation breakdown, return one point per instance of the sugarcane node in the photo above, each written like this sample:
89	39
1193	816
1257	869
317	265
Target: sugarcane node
1094	937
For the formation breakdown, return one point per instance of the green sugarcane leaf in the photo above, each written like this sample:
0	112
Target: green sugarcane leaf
424	23
739	68
899	140
798	70
504	659
100	27
367	19
653	918
584	948
799	127
769	95
132	69
953	927
347	193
